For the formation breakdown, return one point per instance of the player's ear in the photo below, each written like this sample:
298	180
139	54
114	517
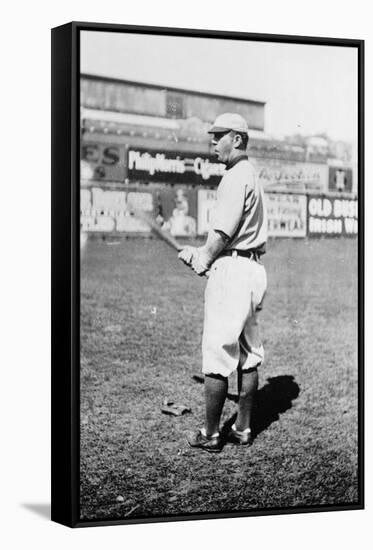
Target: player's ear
237	141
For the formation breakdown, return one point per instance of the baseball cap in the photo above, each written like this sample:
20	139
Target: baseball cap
229	121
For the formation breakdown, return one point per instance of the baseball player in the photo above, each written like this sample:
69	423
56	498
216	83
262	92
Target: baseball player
235	288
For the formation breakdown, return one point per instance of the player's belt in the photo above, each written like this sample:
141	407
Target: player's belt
250	254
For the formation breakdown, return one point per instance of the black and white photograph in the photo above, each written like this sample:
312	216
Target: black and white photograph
220	194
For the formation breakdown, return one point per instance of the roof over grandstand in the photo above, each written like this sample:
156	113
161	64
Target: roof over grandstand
169	88
157	100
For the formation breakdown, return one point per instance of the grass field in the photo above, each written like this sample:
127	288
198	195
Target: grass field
141	322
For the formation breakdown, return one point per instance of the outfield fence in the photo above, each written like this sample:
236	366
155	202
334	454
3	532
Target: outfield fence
185	210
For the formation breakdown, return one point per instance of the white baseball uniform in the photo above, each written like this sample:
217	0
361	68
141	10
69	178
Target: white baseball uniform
237	284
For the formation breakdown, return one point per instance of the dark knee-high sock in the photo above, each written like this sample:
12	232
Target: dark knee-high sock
248	385
216	388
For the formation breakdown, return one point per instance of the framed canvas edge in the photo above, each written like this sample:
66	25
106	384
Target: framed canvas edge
214	33
65	278
361	269
65	494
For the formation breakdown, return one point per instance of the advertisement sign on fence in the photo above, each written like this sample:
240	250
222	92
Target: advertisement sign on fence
287	215
106	162
107	211
332	217
273	172
340	179
176	210
186	212
104	210
173	167
206	202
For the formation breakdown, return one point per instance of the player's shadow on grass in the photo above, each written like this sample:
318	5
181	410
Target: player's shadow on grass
274	398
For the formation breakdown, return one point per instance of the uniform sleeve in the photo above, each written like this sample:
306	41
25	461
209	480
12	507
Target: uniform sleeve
229	205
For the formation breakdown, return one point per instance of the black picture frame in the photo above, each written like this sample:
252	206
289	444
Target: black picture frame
65	209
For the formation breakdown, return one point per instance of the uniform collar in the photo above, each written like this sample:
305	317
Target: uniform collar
237	160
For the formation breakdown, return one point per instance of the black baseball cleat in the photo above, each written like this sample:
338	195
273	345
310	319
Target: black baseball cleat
211	444
240	438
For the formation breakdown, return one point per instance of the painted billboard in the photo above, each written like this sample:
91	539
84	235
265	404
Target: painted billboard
274	172
186	212
287	215
110	211
107	211
332	217
206	203
177	210
340	179
172	167
104	161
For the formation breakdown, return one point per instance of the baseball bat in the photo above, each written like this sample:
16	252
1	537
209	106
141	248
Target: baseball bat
166	237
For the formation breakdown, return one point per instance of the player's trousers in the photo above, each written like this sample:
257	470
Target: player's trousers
233	297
